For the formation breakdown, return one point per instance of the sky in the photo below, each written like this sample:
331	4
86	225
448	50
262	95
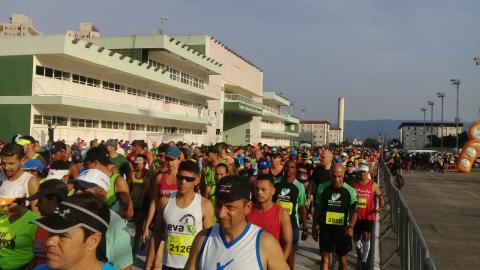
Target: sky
386	58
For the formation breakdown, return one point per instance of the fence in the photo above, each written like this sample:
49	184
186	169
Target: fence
411	245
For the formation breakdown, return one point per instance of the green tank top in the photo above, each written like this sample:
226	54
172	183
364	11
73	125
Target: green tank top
209	176
138	191
111	197
17	241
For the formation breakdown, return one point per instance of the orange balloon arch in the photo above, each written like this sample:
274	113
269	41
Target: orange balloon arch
471	150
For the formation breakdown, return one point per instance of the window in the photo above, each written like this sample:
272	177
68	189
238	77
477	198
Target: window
57	74
61	121
39	70
37	119
74	122
75	78
49	72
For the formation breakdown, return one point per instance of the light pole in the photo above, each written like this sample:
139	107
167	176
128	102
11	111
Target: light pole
424	131
456	82
441	96
430	103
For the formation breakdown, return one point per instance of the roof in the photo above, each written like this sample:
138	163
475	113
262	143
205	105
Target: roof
235	53
314	122
435	124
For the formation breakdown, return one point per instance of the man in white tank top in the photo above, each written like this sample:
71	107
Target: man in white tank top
185	213
18	181
233	243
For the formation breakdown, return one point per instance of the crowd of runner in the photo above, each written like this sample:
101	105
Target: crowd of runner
192	207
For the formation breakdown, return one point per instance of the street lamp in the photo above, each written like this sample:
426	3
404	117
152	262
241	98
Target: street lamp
424	132
430	103
441	96
456	82
476	60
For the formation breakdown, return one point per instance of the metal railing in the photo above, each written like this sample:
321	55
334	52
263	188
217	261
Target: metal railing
411	246
244	99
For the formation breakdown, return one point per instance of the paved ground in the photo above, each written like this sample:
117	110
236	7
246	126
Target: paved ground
447	209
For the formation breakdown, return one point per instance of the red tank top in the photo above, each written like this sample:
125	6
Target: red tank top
269	220
366	203
165	189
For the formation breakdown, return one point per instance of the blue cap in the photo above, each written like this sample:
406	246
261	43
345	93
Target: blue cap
33	164
264	164
293	152
172	152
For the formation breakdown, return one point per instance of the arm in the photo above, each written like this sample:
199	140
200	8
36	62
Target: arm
159	224
73	171
271	253
353	221
32	189
286	233
123	193
208	216
151	208
378	194
192	262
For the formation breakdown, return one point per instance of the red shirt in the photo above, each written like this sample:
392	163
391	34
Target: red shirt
39	247
366	202
269	220
165	189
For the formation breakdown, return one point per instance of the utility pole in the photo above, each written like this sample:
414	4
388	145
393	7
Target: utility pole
441	96
430	103
424	130
456	82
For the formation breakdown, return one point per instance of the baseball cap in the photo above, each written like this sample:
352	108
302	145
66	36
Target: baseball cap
293	152
350	164
92	178
275	154
70	216
51	187
231	188
140	159
305	156
111	142
172	152
264	164
343	154
212	149
58	146
24	140
33	164
363	168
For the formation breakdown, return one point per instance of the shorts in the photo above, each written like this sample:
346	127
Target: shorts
164	267
363	225
296	238
335	240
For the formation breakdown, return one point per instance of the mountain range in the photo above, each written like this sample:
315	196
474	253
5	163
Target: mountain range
372	128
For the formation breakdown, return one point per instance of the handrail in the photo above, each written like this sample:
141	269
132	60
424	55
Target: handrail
242	98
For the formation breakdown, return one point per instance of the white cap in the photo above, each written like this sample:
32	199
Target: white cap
94	177
56	174
363	168
343	154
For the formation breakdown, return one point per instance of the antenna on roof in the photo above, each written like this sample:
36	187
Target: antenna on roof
163	20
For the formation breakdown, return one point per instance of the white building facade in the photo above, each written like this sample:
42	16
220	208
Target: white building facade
413	135
315	132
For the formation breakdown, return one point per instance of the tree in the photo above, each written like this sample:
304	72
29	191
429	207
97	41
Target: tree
371	143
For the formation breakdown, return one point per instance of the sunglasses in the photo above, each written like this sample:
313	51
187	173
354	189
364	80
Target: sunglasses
187	178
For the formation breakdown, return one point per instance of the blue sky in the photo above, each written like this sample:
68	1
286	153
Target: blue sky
387	58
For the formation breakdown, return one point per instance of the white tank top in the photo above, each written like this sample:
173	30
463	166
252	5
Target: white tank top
181	227
240	254
17	188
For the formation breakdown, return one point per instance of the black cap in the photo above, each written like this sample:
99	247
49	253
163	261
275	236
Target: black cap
58	146
212	149
51	187
70	216
349	164
231	188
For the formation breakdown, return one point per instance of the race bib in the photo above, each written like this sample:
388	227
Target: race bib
179	244
286	205
362	203
334	218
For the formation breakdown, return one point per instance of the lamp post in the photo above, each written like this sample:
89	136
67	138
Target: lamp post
430	103
424	131
441	96
456	82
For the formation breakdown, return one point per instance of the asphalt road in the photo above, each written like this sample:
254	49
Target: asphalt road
447	209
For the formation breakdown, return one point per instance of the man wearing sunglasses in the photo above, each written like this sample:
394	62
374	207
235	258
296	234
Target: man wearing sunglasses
185	213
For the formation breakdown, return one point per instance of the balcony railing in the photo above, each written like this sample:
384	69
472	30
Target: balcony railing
244	99
55	87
